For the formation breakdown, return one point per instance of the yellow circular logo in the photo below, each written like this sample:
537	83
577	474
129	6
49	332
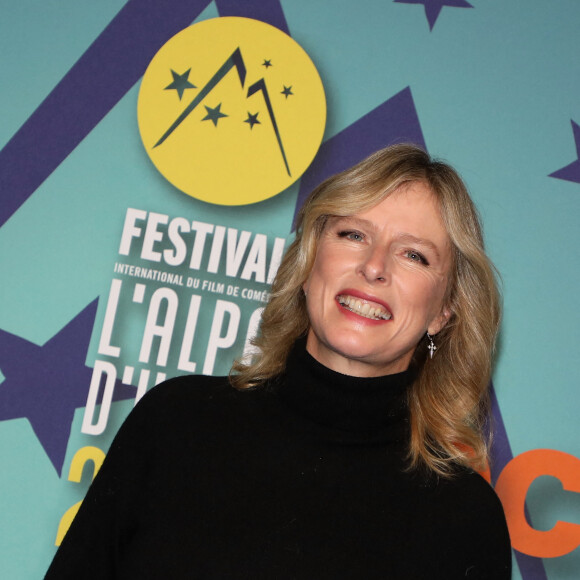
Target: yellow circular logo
231	111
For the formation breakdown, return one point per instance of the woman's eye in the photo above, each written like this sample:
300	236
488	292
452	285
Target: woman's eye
416	257
350	235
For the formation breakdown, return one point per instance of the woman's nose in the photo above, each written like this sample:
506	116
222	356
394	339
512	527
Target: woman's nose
374	267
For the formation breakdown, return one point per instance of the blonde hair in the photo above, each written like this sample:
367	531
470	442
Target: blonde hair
448	401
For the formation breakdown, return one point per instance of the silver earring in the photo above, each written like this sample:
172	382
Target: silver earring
431	346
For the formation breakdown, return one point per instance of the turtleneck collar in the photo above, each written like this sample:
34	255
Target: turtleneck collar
364	407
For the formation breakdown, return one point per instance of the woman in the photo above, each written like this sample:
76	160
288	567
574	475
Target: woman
348	448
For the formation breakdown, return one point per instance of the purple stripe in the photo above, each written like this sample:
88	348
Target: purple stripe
269	11
501	454
93	86
394	121
530	568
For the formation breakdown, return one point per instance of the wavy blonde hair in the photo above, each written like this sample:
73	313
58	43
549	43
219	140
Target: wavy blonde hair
449	400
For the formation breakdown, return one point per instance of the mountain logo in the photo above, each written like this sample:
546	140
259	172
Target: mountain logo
231	111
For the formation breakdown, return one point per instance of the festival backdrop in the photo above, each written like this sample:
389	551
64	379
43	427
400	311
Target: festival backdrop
152	158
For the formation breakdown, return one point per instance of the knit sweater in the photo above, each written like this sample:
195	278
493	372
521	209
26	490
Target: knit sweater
304	478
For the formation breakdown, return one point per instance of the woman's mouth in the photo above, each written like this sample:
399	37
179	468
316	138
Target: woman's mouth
373	311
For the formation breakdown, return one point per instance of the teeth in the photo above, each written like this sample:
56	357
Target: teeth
363	308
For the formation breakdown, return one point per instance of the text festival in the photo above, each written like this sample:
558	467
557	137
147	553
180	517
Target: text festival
184	246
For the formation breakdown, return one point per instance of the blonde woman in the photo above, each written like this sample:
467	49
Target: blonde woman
348	447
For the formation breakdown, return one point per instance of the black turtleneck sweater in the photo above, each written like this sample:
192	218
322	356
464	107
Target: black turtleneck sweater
303	478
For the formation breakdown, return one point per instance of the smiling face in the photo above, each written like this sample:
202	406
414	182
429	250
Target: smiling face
378	283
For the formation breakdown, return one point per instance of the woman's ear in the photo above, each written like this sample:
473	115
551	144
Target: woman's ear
439	322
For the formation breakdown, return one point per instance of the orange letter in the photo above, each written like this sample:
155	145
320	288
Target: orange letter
512	487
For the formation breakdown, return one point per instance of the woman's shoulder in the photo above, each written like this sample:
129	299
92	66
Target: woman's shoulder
473	491
192	400
187	388
470	517
187	395
464	501
478	503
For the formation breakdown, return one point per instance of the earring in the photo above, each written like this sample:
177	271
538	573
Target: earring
431	346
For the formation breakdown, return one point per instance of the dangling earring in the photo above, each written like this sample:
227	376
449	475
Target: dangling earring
431	346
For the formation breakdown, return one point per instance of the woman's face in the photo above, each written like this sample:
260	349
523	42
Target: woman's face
378	283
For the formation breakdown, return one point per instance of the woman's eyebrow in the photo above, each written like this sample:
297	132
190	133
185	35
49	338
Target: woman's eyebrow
353	221
413	240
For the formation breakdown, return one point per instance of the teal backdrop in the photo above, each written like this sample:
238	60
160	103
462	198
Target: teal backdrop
491	86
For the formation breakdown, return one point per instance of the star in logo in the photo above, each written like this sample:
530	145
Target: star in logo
45	384
252	120
433	7
267	63
180	83
572	171
287	91
214	114
234	62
